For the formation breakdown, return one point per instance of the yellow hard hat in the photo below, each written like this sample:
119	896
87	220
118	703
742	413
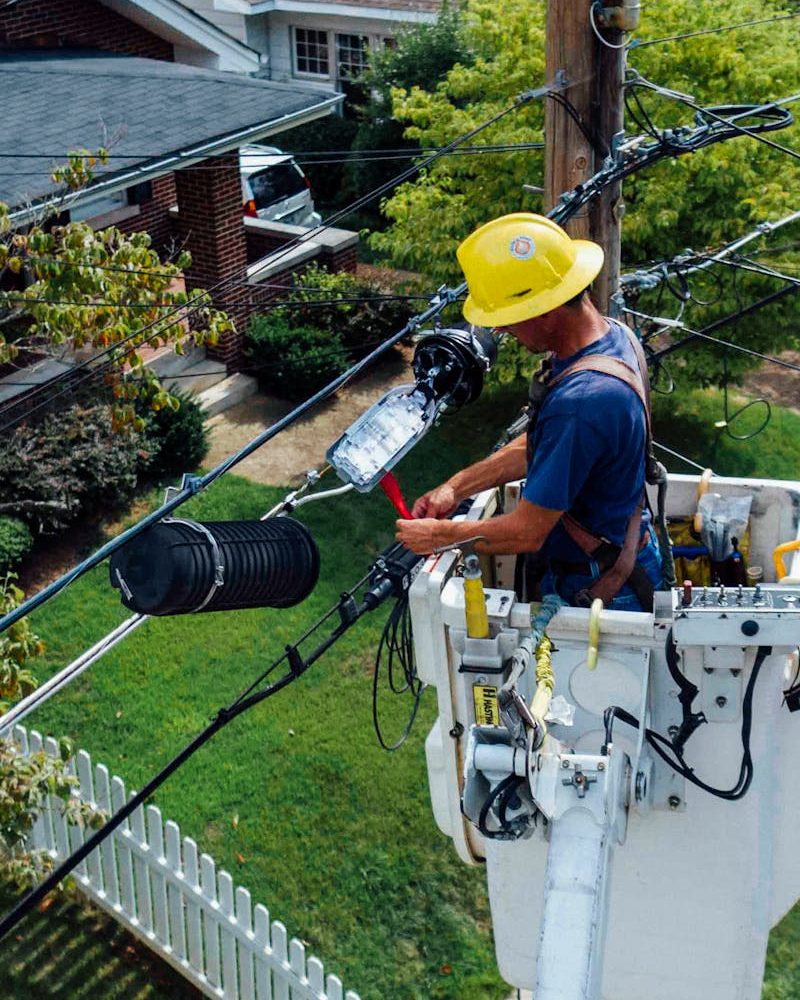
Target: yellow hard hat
523	265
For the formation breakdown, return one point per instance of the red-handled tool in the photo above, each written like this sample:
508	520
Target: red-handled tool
391	488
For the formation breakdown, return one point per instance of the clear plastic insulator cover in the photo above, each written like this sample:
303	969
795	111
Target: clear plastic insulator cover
380	438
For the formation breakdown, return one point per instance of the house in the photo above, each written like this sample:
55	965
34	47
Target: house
322	43
149	83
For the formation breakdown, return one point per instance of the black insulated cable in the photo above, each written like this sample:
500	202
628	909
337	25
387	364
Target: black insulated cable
349	611
672	755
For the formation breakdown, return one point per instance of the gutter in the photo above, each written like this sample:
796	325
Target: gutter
344	9
176	161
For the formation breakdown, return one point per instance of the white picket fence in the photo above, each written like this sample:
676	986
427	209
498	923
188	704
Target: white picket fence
154	882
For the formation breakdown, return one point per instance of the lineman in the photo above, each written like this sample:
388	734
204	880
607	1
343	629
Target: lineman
584	455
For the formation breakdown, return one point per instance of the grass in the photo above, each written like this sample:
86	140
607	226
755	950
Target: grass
686	422
295	798
71	951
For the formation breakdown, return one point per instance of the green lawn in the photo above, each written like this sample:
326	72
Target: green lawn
295	799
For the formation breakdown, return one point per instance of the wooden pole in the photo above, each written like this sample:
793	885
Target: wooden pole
569	158
605	212
594	76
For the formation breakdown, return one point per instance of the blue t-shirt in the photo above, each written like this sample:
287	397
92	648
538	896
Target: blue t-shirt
589	449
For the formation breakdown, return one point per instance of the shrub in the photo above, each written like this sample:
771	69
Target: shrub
293	361
177	438
69	465
359	325
16	542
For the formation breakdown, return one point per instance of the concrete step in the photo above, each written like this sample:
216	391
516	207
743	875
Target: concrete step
165	362
227	393
197	378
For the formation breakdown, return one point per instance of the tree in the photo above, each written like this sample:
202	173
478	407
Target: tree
700	200
421	56
26	782
97	292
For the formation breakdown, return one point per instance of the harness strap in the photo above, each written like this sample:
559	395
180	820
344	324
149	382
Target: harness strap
624	569
606	365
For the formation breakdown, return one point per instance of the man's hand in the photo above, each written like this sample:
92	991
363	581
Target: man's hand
436	503
422	535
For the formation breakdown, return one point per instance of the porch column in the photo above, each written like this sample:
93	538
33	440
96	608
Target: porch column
210	226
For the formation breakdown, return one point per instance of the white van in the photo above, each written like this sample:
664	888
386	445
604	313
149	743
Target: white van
275	188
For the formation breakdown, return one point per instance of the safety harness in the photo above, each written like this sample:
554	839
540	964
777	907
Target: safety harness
617	562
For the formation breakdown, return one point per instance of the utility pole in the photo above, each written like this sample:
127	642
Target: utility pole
595	73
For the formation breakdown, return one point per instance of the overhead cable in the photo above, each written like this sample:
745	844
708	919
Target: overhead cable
625	162
187	309
635	43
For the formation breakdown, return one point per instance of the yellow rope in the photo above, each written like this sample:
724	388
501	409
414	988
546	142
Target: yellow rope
545	682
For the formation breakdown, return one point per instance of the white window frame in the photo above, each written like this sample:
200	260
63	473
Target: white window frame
307	74
365	51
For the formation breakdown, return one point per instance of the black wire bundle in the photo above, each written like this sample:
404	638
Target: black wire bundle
396	651
503	797
673	755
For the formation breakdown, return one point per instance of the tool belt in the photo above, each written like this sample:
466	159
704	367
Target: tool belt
617	563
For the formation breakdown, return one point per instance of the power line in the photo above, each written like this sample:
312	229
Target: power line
640	81
378	151
636	44
187	309
338	156
269	304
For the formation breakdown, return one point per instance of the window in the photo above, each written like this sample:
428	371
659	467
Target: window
351	55
276	183
311	51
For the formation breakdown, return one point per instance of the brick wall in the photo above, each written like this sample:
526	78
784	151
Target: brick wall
210	225
337	254
77	24
154	216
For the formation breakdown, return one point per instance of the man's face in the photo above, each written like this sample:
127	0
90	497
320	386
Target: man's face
537	334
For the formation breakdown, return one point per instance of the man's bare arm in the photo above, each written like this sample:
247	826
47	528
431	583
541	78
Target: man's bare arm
523	530
504	466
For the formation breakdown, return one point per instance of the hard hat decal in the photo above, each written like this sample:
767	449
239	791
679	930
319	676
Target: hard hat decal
522	247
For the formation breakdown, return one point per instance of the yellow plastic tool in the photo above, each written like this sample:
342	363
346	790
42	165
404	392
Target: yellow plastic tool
779	553
702	488
475	599
594	633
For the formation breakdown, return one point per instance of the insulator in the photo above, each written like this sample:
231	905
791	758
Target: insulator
179	566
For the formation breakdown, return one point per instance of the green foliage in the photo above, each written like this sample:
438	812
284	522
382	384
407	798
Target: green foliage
177	437
18	644
293	361
27	781
360	325
16	542
70	465
700	200
87	290
422	56
296	351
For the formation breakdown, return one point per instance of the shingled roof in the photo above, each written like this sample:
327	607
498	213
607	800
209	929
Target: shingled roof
164	115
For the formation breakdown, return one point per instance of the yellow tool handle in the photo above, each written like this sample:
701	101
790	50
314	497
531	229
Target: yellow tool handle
594	633
702	488
779	553
475	608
